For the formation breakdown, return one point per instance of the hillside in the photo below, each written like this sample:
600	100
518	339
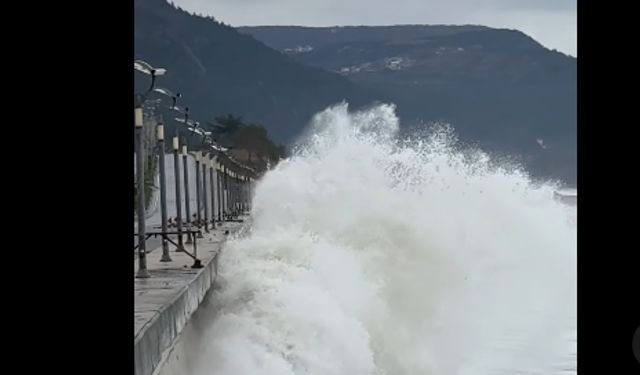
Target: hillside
499	88
220	70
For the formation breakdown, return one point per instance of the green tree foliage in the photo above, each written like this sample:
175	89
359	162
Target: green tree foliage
247	140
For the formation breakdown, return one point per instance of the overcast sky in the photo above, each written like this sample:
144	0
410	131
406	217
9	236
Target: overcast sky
553	23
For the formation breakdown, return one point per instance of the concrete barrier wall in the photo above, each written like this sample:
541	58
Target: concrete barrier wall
176	358
162	332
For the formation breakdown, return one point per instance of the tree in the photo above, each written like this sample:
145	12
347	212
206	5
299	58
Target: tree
224	127
232	132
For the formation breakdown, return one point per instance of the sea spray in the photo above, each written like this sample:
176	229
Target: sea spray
370	254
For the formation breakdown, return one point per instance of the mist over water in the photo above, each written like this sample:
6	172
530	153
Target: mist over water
369	254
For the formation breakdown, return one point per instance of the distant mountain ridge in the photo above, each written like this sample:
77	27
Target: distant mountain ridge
498	88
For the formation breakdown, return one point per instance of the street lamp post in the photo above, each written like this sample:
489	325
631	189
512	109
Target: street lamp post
225	192
219	191
230	188
198	192
176	174
243	192
236	182
145	68
142	249
213	195
236	195
204	193
246	193
240	193
233	193
249	195
251	187
227	178
186	191
163	193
